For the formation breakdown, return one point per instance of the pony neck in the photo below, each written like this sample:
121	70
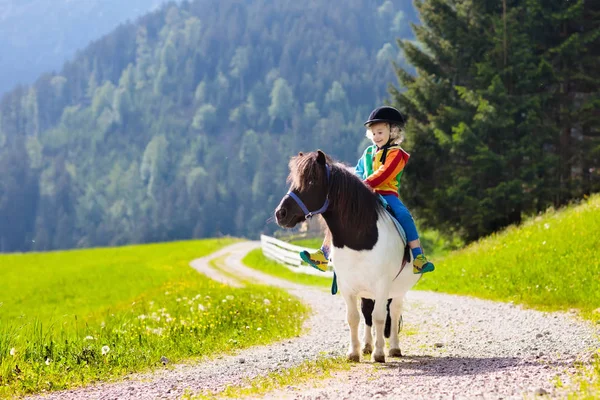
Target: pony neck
345	233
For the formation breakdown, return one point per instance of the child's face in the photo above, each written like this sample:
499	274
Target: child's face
380	132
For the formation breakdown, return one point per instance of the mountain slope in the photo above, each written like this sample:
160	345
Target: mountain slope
181	125
55	30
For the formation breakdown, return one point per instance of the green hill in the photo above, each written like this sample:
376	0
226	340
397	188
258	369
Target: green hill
551	261
55	30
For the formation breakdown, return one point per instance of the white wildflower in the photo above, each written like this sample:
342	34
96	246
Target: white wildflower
89	338
48	361
105	350
12	352
259	329
224	301
229	297
546	226
201	307
167	293
155	331
267	302
178	299
142	317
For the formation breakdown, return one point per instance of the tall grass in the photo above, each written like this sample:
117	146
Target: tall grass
551	261
69	318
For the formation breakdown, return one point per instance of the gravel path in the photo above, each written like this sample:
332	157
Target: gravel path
462	348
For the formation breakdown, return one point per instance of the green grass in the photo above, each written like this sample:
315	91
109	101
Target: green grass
549	262
306	372
72	317
255	259
310	243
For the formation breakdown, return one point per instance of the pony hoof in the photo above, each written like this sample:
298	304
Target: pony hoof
367	349
354	357
395	353
380	358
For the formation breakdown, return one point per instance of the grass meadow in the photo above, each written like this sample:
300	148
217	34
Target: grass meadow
550	262
69	318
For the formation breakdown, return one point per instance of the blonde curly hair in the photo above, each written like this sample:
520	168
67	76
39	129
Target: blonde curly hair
396	133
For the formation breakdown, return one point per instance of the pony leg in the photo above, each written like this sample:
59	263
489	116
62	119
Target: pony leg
395	314
379	315
367	311
353	318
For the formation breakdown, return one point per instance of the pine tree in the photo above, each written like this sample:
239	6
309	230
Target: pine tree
494	110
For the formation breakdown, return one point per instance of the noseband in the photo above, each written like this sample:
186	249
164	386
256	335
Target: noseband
310	214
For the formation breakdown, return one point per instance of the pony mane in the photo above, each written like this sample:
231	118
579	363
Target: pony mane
347	192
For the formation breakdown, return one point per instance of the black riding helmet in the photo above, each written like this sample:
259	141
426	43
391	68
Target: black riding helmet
386	114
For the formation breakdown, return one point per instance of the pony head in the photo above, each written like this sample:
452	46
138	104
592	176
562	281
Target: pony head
309	188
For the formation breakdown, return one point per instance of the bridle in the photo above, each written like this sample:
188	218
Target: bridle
310	214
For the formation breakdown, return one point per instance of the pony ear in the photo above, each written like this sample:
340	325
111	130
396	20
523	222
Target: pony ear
321	157
300	154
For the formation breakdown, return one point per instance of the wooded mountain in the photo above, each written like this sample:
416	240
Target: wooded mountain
37	36
181	125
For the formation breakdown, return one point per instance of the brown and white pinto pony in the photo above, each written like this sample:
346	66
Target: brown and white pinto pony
367	251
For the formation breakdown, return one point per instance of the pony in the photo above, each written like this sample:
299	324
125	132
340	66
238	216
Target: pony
367	251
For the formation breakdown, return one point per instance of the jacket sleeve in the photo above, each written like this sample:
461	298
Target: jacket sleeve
359	170
395	161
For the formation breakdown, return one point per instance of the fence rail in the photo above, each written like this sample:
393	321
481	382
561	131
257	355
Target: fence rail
287	254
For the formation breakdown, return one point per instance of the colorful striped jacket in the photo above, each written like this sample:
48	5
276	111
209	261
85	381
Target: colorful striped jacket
384	178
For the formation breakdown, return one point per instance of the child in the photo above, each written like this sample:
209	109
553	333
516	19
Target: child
381	167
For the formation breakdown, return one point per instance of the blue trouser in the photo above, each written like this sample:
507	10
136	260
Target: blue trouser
403	216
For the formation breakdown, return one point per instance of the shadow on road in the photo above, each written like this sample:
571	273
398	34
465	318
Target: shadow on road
458	366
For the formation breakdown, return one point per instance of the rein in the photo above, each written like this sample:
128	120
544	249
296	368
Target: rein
310	214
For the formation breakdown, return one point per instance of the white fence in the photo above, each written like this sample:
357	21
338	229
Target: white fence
288	255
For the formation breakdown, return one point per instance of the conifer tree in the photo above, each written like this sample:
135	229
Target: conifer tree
493	109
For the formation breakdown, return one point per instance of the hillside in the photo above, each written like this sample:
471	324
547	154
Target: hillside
55	31
181	125
550	261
